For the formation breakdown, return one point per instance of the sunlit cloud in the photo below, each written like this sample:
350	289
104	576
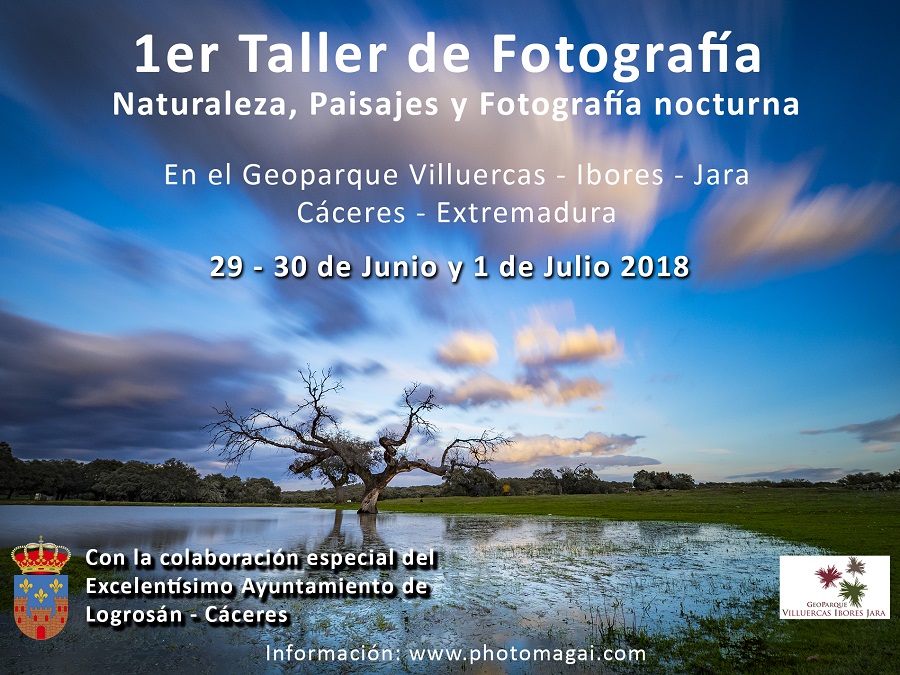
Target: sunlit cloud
542	352
482	389
548	386
543	344
590	446
468	349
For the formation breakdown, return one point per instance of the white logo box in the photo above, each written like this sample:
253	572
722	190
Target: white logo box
804	595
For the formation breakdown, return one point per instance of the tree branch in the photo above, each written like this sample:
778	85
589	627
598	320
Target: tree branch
324	448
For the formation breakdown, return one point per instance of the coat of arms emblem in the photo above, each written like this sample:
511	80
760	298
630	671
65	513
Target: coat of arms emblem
41	593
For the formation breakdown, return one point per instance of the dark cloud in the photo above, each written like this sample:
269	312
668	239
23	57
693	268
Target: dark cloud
368	368
797	473
137	396
886	430
368	420
70	65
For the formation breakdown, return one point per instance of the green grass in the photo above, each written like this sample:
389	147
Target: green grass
842	521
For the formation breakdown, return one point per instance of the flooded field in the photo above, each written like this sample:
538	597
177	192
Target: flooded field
501	582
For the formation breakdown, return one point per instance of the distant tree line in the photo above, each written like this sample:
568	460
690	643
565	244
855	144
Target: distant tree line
872	480
355	492
134	481
177	481
566	481
581	480
479	482
663	480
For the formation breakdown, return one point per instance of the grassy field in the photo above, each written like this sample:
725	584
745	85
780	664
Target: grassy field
841	521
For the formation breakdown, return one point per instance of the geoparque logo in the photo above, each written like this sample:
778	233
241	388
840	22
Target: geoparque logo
835	587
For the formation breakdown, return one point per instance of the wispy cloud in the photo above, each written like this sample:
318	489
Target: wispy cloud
879	448
773	223
61	233
886	430
798	473
485	389
622	461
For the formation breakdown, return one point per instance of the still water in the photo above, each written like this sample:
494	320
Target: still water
501	581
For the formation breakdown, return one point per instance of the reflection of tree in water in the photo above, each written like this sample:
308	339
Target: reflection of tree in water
579	536
655	535
570	534
469	529
340	539
483	530
336	539
170	538
368	524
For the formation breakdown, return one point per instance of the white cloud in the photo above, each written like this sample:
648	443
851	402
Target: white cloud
592	445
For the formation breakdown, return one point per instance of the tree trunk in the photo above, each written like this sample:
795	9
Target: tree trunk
370	499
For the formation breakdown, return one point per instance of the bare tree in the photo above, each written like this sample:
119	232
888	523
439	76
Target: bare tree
315	435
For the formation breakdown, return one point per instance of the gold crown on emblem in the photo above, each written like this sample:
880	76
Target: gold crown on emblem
40	558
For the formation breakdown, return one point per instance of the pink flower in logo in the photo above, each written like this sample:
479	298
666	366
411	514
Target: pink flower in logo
828	576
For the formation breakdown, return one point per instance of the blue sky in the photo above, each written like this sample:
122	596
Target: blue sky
777	357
